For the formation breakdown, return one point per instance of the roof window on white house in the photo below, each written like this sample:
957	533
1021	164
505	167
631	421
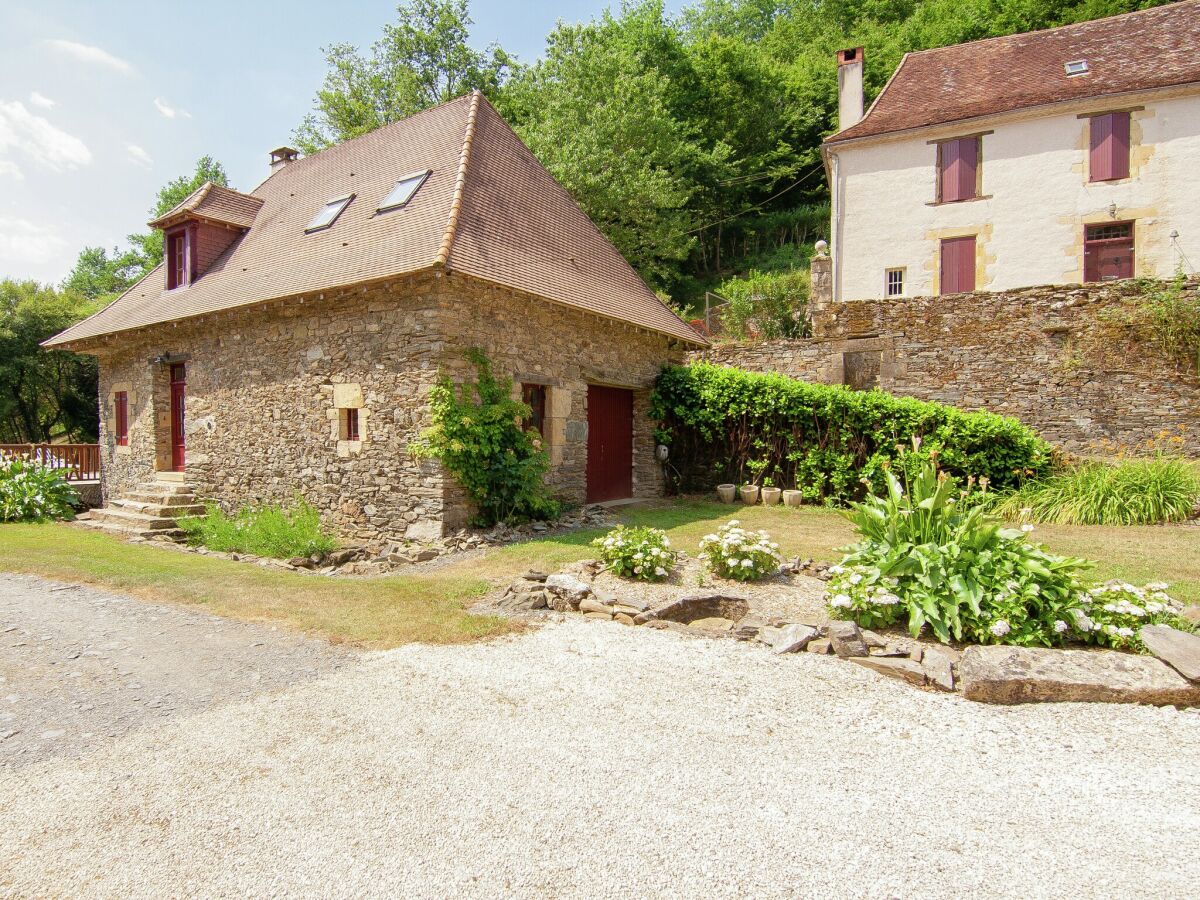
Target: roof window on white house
403	191
1076	67
328	214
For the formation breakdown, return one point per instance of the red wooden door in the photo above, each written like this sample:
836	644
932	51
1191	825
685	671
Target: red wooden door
1108	252
610	443
178	391
958	265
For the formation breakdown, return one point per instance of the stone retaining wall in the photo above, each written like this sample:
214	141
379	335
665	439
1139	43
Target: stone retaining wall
1045	355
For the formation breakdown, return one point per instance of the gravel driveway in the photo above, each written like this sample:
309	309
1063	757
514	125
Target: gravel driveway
589	759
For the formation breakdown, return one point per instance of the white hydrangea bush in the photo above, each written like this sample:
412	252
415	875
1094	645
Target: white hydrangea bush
739	554
1112	613
641	553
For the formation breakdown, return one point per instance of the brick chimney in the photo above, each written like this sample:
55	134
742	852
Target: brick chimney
281	156
850	87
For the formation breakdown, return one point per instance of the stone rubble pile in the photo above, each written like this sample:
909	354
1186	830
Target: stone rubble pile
990	674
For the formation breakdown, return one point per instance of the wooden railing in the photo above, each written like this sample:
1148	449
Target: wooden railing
77	462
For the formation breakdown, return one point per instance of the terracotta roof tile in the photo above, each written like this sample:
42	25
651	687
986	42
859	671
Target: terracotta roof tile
487	209
1152	48
214	202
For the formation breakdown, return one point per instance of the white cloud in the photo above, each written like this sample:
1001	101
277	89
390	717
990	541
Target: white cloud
138	155
42	142
89	54
26	244
169	111
8	167
41	100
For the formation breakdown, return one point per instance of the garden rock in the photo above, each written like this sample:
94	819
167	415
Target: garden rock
594	605
749	628
699	606
872	640
789	638
819	645
939	667
998	674
1178	649
846	640
713	624
903	668
345	555
301	562
566	592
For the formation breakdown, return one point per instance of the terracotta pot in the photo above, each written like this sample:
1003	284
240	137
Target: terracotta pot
727	492
793	498
770	495
749	493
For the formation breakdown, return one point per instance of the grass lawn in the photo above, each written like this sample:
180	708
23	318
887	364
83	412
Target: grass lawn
432	607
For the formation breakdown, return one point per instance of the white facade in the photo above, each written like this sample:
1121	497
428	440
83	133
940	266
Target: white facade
1035	198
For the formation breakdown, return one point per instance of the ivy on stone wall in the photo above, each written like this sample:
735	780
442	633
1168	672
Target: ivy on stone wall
478	437
729	425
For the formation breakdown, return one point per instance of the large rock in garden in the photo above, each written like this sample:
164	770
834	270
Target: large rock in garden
699	606
1178	649
1027	675
788	638
893	667
846	640
566	592
939	663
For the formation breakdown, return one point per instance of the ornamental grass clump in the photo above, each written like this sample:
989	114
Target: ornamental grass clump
32	492
276	531
740	555
642	553
1145	491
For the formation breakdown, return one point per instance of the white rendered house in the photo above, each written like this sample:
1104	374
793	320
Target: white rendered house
1054	157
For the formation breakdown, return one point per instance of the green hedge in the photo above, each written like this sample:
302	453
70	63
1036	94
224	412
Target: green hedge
728	425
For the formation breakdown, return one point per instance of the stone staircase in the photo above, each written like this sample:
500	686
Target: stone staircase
148	511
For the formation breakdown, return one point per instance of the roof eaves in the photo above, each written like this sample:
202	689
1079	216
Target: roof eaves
460	182
63	339
187	204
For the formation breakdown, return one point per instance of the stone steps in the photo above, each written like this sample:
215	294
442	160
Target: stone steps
158	509
148	511
125	531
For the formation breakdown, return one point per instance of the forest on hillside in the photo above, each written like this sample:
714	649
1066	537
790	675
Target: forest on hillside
691	138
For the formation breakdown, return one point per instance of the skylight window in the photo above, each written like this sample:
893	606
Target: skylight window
403	191
328	214
1076	67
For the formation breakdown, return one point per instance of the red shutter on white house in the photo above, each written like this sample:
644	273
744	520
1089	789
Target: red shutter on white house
958	265
1109	147
958	163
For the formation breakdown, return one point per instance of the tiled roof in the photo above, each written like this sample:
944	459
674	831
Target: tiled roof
1152	48
488	209
216	203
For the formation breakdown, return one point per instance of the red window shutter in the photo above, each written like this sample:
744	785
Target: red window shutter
1109	147
958	163
352	424
958	265
968	162
122	418
948	177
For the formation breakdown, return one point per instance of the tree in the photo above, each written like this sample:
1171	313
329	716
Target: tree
44	394
421	60
148	246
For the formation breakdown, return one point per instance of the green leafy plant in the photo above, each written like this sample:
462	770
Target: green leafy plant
765	305
280	532
738	554
637	552
727	425
1147	491
477	436
32	492
929	558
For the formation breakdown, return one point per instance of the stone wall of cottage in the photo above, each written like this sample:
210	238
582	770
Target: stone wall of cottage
268	388
1051	356
566	350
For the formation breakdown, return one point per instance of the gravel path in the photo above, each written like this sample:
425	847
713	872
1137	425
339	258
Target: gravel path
590	759
80	666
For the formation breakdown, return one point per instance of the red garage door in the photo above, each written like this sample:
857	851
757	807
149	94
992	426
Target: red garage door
610	443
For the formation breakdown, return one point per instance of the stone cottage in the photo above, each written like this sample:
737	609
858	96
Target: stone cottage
287	345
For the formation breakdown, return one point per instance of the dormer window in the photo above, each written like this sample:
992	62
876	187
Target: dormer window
403	191
178	256
328	214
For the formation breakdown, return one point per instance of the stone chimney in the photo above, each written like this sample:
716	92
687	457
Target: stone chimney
850	87
281	156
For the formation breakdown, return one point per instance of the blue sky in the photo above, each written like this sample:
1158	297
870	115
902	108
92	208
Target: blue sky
103	103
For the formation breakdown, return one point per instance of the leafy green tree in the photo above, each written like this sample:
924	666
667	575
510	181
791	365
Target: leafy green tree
421	60
148	246
44	394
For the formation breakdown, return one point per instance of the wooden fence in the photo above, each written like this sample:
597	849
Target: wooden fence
76	462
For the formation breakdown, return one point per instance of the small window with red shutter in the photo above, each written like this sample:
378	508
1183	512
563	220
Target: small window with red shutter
534	396
958	169
957	269
177	259
122	424
350	430
1108	157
